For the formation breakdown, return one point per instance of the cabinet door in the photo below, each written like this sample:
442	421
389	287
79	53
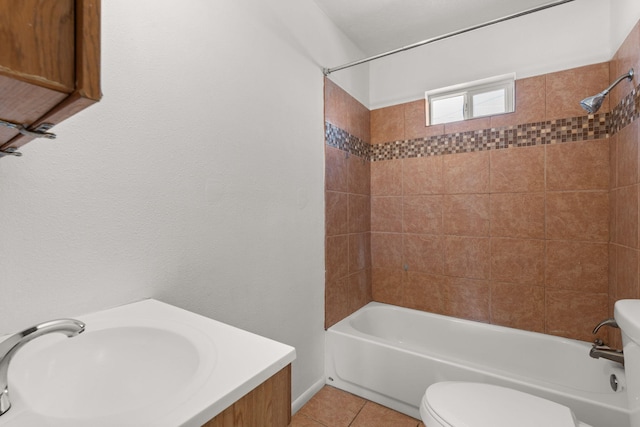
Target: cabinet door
49	63
37	39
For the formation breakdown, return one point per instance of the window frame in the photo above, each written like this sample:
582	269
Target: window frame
468	90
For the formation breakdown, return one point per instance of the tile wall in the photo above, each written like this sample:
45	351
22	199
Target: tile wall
504	219
624	227
348	207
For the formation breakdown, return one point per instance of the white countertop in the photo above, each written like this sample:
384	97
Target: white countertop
241	361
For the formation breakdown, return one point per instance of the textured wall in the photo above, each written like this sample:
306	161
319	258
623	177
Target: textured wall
198	179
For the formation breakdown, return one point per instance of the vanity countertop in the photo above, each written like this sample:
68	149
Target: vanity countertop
223	363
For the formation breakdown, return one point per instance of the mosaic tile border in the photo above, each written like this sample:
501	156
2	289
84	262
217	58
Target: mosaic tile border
596	126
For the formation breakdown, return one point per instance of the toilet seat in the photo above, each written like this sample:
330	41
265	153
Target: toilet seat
464	404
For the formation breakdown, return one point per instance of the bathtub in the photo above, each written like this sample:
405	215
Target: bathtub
390	355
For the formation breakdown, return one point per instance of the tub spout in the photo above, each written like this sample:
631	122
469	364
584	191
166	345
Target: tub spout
606	322
606	352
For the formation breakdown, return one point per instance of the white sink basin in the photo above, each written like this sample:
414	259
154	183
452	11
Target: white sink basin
145	364
108	371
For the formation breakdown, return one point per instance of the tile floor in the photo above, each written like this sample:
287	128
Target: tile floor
331	407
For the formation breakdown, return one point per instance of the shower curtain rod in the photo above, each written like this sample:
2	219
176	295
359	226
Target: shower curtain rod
328	71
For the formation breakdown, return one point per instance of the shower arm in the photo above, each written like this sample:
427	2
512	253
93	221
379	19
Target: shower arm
629	76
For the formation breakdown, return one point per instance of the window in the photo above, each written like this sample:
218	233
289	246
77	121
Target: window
470	100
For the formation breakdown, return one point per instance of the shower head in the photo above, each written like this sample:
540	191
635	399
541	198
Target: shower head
593	103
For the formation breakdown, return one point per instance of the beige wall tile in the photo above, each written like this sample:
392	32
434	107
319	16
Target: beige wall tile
517	306
578	266
386	251
359	290
565	89
467	257
468	299
359	213
627	273
530	104
626	210
613	161
359	119
423	253
336	305
386	214
518	215
627	155
386	178
359	252
517	261
336	169
422	214
387	124
336	213
423	175
466	173
337	257
335	104
359	175
578	216
574	314
425	292
415	122
466	214
579	165
468	125
519	169
386	286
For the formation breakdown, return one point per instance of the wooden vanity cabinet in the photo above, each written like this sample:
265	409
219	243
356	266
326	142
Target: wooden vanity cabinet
268	405
49	63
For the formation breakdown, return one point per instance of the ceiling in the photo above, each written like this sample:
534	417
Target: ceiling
377	26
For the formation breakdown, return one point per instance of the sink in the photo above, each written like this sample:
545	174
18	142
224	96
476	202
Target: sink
142	364
109	371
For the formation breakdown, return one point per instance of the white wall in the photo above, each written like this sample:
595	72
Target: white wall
624	15
563	37
198	180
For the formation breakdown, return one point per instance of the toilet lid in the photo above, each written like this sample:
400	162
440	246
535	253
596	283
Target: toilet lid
462	404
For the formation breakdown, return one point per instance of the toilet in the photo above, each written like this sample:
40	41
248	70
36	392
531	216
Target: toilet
466	404
469	404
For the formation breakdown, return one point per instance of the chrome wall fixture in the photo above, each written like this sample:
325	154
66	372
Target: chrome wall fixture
593	103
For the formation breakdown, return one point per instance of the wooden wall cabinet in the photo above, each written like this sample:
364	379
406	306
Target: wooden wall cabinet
49	63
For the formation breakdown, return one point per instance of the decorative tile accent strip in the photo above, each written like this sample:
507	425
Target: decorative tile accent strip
626	111
594	126
338	138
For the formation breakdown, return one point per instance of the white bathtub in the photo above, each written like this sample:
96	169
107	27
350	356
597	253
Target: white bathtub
390	355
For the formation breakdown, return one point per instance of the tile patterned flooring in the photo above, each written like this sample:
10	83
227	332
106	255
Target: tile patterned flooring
331	407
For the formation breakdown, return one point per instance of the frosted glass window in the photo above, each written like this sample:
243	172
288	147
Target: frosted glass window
488	103
448	109
495	95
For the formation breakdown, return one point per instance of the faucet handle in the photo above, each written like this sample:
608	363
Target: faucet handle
606	322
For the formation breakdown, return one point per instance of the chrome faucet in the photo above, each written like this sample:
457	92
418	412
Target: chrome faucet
598	349
11	345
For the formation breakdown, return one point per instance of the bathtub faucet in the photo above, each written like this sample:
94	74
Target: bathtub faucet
598	349
606	352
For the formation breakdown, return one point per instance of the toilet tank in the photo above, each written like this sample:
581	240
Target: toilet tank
627	315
